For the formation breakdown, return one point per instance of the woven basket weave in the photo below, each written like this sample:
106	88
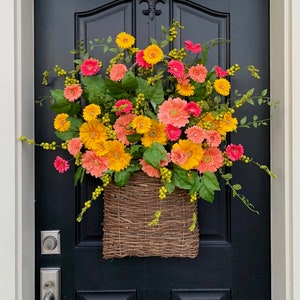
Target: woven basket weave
128	211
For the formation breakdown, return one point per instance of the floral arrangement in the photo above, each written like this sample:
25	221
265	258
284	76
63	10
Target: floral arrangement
162	113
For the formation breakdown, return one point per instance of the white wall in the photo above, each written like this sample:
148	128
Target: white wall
17	203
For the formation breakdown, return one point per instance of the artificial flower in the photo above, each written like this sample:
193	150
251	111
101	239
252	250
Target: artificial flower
193	109
123	106
117	72
176	68
185	90
173	132
235	152
125	40
74	146
90	67
213	138
153	54
198	73
91	112
122	127
61	165
155	134
141	124
195	134
149	170
220	72
139	57
94	164
222	86
190	46
212	160
61	122
72	92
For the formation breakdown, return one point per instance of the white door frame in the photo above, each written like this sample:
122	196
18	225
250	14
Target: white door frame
17	165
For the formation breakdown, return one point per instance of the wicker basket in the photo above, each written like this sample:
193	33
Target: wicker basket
128	211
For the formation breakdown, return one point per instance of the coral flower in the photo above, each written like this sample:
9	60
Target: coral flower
178	156
212	160
235	152
94	164
194	153
122	127
91	112
195	48
173	132
61	165
123	106
213	138
176	68
193	109
90	67
118	159
92	133
184	79
141	124
220	72
155	134
172	112
185	90
198	73
125	40
139	58
72	92
117	72
153	54
149	170
222	86
195	134
61	122
74	146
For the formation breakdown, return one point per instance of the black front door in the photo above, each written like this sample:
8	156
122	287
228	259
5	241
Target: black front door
234	257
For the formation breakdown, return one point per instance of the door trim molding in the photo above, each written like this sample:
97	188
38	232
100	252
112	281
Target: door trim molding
17	218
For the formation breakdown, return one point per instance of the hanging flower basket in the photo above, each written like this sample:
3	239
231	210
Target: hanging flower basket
128	212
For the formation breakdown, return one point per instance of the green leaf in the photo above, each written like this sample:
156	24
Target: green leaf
72	132
208	185
94	88
237	187
121	178
227	176
243	120
130	81
154	154
79	175
116	89
109	39
264	92
132	138
62	105
181	179
170	186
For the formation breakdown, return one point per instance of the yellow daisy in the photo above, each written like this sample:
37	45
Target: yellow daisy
91	112
153	54
61	123
141	124
155	134
222	86
118	159
92	134
124	40
193	152
185	90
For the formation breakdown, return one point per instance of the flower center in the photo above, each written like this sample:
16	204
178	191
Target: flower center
152	134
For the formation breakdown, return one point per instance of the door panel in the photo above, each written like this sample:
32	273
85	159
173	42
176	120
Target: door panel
234	256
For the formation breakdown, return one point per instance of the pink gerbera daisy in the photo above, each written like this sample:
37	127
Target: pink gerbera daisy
139	58
212	160
72	92
173	132
123	106
220	72
94	164
195	134
195	48
178	156
235	152
184	79
61	165
176	68
74	146
193	109
123	128
90	67
198	73
117	72
149	170
213	138
172	112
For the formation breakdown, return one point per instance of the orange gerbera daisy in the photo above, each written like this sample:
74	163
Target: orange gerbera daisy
227	124
124	40
91	112
222	86
141	124
185	90
153	54
61	123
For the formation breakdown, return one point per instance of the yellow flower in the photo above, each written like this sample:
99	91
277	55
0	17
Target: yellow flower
61	122
118	159
91	112
124	40
193	152
155	134
141	124
208	122
185	90
102	148
153	54
222	86
227	124
92	134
